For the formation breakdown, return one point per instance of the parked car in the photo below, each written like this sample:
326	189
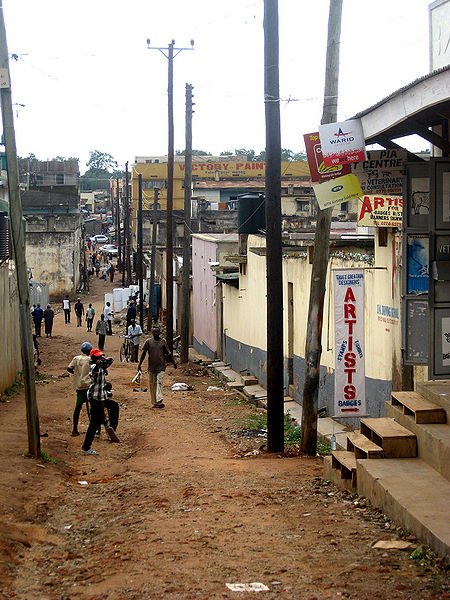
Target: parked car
99	239
109	249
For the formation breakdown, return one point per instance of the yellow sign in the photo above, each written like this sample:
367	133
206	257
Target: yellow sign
335	191
380	211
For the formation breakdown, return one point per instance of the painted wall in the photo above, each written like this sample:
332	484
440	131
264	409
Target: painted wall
244	319
10	356
207	249
53	251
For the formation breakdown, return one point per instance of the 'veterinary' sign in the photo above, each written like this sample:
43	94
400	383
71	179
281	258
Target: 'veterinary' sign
349	382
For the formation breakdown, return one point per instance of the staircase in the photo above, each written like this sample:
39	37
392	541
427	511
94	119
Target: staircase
401	462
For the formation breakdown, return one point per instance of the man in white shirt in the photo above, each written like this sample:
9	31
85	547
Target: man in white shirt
134	331
66	308
108	317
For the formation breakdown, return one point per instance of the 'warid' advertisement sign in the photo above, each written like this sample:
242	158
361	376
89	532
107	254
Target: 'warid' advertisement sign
342	143
349	383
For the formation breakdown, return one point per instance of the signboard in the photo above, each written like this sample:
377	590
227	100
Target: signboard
417	268
319	172
349	382
381	174
380	211
342	143
335	191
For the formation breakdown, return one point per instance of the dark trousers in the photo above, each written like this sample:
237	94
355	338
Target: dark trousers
78	320
81	399
101	341
134	352
113	413
37	328
109	321
89	324
66	315
97	418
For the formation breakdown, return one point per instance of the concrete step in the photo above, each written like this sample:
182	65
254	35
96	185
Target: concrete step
334	475
344	462
396	441
437	392
433	440
249	380
411	493
362	446
235	385
227	374
422	409
255	391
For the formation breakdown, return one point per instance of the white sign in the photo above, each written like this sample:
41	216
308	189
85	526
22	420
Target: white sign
342	143
349	380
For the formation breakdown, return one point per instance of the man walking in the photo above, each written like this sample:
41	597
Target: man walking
38	314
108	316
131	313
79	311
157	351
66	308
49	315
134	331
90	314
101	329
79	367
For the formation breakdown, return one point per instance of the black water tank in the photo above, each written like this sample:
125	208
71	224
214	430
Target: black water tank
4	236
251	213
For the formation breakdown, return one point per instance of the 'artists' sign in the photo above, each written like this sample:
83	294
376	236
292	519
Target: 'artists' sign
349	382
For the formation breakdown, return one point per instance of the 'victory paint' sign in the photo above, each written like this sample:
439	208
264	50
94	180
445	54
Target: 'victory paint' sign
342	143
349	382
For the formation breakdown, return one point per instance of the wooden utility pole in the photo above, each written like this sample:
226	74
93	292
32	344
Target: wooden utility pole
125	226
185	281
153	259
128	230
18	245
275	388
169	210
313	350
139	269
119	241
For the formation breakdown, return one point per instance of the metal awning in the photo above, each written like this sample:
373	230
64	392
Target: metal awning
230	278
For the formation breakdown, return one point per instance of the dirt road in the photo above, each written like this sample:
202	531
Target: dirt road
176	510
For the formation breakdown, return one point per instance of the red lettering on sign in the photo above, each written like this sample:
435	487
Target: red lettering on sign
349	311
378	202
350	359
349	295
366	207
349	392
350	326
349	374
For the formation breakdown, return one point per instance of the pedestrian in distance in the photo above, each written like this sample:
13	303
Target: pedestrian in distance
66	309
134	332
97	267
79	367
79	311
131	313
38	315
112	270
99	397
101	330
108	312
49	315
158	354
90	314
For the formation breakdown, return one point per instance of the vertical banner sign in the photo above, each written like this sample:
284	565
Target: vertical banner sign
349	383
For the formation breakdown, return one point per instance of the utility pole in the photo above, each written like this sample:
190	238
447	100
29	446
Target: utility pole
125	226
153	258
185	281
128	231
119	242
139	256
169	209
18	245
313	349
275	388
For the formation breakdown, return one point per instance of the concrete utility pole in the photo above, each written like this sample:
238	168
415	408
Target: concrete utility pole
275	388
18	245
185	282
139	269
153	258
169	210
313	350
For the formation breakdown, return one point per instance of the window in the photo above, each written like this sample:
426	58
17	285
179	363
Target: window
302	205
344	206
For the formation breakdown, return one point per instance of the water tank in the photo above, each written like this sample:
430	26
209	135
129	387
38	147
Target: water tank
251	213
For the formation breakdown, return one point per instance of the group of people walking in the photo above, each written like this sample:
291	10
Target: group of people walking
38	315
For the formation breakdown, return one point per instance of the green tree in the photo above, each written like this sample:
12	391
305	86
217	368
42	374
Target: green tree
250	154
194	153
100	162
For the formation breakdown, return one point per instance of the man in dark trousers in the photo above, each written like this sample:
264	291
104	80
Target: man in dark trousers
38	314
101	329
66	309
131	313
49	315
79	367
79	311
158	352
99	398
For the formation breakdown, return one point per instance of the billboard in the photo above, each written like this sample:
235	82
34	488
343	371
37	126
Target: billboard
335	191
380	211
349	383
342	143
319	172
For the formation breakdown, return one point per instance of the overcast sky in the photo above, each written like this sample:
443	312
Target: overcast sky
87	80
